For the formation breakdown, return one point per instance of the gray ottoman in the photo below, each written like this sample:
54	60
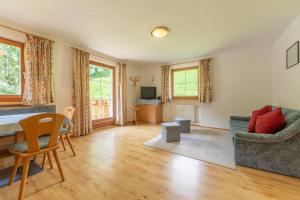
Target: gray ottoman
185	124
170	132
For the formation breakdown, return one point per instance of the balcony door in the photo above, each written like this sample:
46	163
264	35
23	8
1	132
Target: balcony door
102	94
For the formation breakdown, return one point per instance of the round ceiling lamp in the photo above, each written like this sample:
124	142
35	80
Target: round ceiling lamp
160	32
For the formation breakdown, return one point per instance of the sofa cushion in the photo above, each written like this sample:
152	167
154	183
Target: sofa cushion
22	146
255	115
270	122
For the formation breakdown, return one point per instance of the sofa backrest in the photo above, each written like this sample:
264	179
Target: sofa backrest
28	109
290	115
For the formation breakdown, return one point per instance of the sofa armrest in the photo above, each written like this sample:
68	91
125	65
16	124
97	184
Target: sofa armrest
280	136
253	137
240	118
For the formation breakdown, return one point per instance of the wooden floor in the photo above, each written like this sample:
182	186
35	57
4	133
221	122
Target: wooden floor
113	163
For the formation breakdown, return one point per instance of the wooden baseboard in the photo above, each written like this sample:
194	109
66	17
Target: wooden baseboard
103	123
223	129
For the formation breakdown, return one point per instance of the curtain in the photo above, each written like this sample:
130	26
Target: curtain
122	96
38	88
81	100
205	81
165	79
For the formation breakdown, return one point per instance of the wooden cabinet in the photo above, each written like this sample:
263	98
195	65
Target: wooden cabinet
149	113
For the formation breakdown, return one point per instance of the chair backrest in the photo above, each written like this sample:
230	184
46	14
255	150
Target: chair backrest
41	125
69	112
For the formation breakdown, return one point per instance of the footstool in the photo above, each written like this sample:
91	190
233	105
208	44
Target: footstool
185	124
170	132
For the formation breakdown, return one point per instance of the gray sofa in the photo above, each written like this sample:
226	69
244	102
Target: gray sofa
279	153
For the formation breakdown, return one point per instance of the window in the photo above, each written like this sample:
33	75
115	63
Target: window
185	83
101	80
11	70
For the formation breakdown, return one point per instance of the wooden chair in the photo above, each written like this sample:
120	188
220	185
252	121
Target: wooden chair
65	131
41	134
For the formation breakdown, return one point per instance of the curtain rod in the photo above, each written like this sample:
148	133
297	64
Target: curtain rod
179	63
13	29
94	54
20	31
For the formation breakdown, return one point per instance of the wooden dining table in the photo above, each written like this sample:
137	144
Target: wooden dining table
9	124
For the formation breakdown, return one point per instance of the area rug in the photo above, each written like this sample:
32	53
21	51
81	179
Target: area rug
208	145
5	173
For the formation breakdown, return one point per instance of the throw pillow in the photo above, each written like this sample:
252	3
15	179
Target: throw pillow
255	115
270	122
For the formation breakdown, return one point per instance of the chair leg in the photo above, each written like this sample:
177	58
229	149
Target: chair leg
58	165
50	160
24	178
44	160
14	171
63	142
71	145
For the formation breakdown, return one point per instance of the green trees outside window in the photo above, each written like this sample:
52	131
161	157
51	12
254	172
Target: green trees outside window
185	82
10	69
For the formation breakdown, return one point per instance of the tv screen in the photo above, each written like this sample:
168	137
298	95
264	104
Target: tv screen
148	92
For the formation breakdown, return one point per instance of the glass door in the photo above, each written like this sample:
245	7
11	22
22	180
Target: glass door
102	94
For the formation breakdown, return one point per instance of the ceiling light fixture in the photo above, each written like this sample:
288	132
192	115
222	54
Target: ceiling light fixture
160	32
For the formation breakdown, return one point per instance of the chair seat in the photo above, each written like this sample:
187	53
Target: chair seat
21	147
63	131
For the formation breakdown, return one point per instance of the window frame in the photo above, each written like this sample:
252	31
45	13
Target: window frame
15	98
110	120
172	82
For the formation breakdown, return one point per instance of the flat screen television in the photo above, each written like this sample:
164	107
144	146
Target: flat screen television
148	92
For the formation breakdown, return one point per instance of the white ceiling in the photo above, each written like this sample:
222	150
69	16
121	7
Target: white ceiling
121	28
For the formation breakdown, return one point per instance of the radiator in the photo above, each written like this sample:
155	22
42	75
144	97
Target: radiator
185	111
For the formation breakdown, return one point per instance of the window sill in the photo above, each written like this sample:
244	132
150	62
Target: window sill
12	104
185	98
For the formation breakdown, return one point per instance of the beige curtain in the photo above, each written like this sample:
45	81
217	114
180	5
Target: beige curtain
165	80
205	81
81	100
122	96
38	88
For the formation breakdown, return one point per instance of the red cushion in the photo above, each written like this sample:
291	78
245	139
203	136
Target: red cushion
255	114
270	122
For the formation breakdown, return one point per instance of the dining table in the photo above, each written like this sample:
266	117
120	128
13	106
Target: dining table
9	124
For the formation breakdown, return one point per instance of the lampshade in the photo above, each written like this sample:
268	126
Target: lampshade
160	32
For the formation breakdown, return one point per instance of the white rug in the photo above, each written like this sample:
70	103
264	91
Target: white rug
213	146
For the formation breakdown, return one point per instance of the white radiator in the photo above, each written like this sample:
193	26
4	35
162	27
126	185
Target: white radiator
185	111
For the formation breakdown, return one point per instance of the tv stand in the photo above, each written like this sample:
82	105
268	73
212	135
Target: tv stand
149	111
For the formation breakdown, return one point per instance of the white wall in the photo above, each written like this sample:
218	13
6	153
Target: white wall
286	82
132	70
242	82
62	72
150	76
